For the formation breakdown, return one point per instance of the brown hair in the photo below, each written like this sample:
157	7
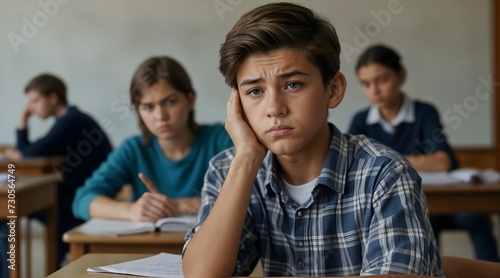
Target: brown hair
152	71
380	54
47	84
281	25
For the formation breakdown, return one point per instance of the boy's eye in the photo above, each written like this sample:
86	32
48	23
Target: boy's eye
293	85
254	92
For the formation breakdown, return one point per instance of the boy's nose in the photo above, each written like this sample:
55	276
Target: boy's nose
276	106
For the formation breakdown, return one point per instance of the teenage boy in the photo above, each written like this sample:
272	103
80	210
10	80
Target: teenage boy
294	191
74	136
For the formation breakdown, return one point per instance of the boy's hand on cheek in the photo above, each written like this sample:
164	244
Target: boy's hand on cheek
244	139
25	115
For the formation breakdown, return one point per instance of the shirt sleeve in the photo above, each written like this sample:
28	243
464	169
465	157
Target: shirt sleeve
248	253
53	143
434	138
22	138
400	239
107	180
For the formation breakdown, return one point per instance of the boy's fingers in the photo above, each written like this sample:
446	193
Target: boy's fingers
148	183
229	104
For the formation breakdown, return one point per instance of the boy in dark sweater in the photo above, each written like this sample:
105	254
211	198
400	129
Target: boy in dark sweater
74	136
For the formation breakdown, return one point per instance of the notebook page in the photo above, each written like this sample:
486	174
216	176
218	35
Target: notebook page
104	227
161	265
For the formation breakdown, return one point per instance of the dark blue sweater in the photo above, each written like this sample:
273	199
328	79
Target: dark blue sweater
424	136
82	143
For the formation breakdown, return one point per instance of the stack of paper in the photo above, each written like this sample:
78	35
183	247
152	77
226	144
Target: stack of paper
161	265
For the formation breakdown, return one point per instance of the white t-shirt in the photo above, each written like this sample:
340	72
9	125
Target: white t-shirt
300	193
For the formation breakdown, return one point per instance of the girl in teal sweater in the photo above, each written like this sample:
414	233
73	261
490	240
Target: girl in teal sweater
166	165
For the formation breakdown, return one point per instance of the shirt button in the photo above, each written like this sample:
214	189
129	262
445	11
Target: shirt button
299	214
301	244
300	264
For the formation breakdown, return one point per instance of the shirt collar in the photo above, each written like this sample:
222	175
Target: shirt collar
406	115
334	172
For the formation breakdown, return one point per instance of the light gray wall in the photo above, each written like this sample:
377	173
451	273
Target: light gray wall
96	45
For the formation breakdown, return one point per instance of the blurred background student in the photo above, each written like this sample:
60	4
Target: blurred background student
72	131
172	154
412	128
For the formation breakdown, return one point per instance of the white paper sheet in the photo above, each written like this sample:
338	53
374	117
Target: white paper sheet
161	265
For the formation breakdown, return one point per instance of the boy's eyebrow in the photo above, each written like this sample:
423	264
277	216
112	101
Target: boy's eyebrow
290	74
284	75
250	81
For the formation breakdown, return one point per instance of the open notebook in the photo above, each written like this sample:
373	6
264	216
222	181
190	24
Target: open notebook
161	265
104	227
4	177
460	176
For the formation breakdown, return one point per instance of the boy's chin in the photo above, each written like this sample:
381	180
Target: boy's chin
281	148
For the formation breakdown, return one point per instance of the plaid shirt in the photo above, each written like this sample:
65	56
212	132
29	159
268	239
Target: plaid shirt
367	214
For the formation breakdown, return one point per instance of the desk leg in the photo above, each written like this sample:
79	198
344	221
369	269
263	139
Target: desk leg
77	250
27	239
51	240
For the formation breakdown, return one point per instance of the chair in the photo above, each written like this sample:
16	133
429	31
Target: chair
455	267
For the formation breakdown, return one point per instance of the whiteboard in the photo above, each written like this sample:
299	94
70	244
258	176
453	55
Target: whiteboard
95	46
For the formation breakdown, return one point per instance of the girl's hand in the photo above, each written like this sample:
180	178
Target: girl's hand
152	205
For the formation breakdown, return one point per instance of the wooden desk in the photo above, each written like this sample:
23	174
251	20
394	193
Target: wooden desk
3	148
151	243
452	199
78	268
33	194
31	166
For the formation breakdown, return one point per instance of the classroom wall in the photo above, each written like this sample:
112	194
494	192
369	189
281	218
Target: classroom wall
96	45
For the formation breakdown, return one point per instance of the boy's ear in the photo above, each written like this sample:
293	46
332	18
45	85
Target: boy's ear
53	98
336	89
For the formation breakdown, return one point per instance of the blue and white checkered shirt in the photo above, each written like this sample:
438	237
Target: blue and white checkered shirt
367	214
